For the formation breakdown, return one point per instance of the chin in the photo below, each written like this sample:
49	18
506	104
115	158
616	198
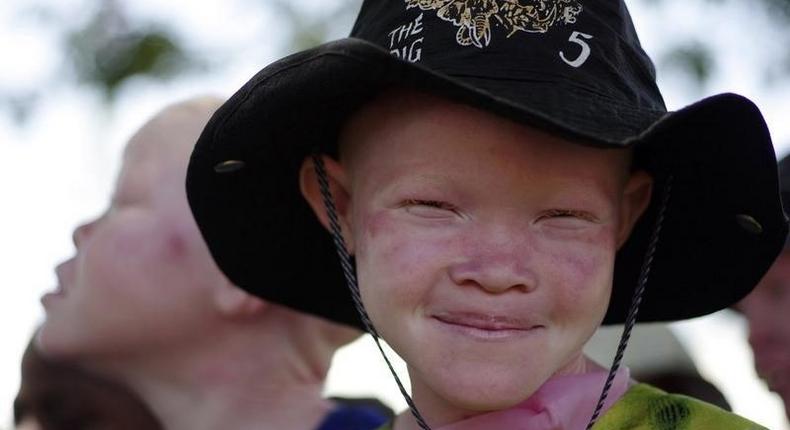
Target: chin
48	343
482	401
485	391
57	344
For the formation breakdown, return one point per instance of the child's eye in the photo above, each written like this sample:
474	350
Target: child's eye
567	218
429	208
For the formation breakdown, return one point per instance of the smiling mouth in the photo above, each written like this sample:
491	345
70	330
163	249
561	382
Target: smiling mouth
489	327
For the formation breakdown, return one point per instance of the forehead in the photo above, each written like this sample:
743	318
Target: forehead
161	137
146	160
165	141
154	161
415	130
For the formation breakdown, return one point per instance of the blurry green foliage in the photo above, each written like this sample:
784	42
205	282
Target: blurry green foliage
108	51
124	56
693	58
697	59
110	48
779	6
310	29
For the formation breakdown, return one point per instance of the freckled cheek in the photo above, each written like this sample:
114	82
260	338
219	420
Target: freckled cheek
580	275
131	250
181	241
398	262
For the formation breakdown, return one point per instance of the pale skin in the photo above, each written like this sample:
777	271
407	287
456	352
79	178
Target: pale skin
143	303
765	309
484	248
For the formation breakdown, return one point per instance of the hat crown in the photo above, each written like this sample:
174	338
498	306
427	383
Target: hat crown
588	47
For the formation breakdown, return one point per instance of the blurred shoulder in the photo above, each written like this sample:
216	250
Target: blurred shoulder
644	407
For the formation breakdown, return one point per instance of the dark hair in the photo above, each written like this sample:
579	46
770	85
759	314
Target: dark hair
62	397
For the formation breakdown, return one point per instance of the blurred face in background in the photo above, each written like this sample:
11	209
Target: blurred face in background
767	309
134	285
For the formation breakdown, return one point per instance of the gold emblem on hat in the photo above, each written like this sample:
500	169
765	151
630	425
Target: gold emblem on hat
477	17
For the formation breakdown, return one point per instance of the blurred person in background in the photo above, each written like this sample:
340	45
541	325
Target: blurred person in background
656	357
143	303
57	396
766	310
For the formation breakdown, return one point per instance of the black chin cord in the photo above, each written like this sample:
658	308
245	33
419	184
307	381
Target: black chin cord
351	280
636	300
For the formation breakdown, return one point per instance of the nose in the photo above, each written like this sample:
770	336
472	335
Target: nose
496	266
82	232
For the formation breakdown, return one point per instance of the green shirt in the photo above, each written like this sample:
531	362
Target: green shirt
643	407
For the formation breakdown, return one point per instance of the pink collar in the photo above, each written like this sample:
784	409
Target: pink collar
562	403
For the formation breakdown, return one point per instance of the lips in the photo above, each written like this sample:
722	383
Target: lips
58	292
60	289
485	325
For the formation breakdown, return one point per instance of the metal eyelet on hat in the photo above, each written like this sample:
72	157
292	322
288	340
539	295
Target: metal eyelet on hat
229	166
748	223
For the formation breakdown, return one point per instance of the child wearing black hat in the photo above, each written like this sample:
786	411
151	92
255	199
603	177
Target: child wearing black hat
499	178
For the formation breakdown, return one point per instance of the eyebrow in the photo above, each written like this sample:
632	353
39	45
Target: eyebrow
589	198
429	181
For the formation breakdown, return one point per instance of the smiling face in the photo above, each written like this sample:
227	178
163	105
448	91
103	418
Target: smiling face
765	308
137	279
484	249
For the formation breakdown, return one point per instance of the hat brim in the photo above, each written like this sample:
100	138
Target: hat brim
267	240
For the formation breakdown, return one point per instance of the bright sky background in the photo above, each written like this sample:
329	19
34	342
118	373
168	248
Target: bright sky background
59	169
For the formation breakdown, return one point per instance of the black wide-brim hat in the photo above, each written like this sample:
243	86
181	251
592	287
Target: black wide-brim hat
571	69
